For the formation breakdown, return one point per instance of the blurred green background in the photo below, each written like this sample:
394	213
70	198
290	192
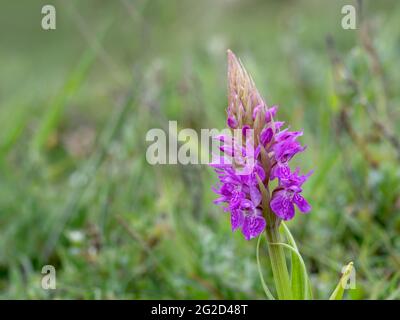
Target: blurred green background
76	191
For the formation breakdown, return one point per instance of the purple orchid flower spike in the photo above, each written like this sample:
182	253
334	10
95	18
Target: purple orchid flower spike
271	148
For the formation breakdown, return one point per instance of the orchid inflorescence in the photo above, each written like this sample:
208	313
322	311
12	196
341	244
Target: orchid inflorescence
254	159
267	147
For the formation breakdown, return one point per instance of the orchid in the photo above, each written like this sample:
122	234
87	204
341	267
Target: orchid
247	112
256	184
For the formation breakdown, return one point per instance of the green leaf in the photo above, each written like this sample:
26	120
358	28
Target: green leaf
300	283
265	287
305	289
339	291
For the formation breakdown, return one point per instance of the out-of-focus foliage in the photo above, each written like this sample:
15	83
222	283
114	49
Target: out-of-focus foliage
76	103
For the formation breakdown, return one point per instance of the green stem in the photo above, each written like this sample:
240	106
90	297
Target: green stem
276	252
278	263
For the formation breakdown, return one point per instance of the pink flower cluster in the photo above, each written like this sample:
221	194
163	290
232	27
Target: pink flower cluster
271	148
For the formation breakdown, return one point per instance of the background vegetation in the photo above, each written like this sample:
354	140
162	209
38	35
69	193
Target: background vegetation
75	105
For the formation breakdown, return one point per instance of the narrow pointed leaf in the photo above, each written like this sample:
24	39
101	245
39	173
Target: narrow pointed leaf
339	290
302	266
300	282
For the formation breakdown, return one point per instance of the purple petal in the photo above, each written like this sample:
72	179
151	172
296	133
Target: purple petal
281	205
271	112
288	135
279	125
257	152
260	171
232	122
255	195
294	180
236	200
237	219
247	205
280	171
301	203
253	225
284	151
256	110
266	136
220	200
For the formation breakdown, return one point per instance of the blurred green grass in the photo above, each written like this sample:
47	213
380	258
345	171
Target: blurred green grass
75	105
